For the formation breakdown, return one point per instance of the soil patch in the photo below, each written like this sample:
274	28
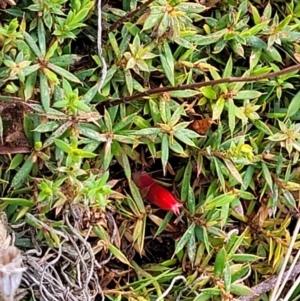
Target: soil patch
12	119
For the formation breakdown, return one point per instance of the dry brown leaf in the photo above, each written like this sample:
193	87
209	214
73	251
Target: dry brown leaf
201	126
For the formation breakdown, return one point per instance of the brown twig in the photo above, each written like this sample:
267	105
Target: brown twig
269	284
129	15
124	99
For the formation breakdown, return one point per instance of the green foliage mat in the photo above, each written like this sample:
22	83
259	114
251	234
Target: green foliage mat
204	96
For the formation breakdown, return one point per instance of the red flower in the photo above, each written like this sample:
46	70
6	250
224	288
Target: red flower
155	193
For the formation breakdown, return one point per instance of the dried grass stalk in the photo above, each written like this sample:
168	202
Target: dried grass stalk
10	272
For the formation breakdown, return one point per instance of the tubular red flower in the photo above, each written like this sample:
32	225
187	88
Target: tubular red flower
155	193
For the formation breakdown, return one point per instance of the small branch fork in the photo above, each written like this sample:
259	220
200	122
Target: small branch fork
127	99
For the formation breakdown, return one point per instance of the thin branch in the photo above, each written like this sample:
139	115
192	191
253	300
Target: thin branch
128	16
126	99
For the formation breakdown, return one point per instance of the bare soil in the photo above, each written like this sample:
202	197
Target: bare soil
12	119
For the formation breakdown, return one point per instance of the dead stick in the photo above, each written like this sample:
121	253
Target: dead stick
124	99
269	284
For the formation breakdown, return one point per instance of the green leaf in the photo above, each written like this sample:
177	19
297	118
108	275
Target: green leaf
267	174
81	14
191	203
192	248
247	94
252	31
294	106
237	47
220	263
126	165
1	130
141	238
51	51
64	73
32	44
167	61
155	17
42	36
114	44
30	85
164	152
234	172
164	223
44	88
101	233
248	176
137	196
148	131
92	134
176	116
245	257
57	133
227	277
184	93
125	139
262	127
231	115
124	123
185	238
186	182
256	15
208	39
23	173
218	108
191	7
63	146
219	201
16	161
129	81
65	60
284	23
220	175
240	289
18	202
188	133
163	26
207	294
118	254
165	111
85	154
228	68
208	92
177	148
90	94
81	106
47	127
180	135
